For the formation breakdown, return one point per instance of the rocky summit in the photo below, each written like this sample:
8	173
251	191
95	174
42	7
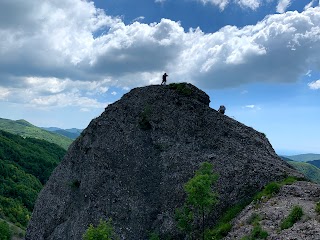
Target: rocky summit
131	163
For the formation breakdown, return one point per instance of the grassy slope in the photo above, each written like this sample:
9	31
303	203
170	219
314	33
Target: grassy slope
310	171
26	129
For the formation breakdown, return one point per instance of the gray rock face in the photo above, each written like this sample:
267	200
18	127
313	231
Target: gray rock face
273	211
131	163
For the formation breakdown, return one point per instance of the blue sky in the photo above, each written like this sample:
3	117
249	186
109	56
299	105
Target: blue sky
62	62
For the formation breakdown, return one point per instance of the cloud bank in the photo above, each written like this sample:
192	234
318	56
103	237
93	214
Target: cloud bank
54	50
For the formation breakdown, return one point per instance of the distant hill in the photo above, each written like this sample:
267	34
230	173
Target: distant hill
304	157
25	165
285	158
309	170
315	163
26	129
72	133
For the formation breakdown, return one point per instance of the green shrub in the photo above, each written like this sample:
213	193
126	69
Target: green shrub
246	238
75	184
219	232
181	88
289	180
254	218
154	236
233	211
222	228
258	233
14	211
104	231
294	216
269	190
144	121
272	188
318	208
5	232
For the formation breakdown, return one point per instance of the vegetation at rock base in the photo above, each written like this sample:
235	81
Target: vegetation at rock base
224	224
294	216
222	228
273	188
269	190
104	231
200	199
5	232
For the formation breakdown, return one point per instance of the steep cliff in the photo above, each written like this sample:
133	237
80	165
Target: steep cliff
131	163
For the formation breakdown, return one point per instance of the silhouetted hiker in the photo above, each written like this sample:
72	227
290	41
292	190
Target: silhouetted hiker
164	79
222	109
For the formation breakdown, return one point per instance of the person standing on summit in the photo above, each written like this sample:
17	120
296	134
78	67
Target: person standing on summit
164	79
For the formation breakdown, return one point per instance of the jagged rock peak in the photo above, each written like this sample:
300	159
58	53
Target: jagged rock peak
131	163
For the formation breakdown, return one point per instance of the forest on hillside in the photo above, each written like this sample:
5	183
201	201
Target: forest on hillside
25	166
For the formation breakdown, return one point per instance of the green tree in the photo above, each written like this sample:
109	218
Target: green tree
104	231
5	233
200	197
295	215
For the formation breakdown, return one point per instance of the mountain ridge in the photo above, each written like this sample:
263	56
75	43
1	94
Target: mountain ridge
304	157
25	129
72	133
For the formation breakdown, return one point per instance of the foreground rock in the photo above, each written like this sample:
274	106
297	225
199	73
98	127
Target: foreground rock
272	212
131	163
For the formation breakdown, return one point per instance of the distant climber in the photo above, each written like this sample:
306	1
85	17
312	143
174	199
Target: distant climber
222	109
164	79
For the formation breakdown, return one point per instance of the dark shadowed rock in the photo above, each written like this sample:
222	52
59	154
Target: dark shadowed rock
131	163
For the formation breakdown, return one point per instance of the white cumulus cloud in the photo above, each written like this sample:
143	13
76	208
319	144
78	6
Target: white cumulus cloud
252	4
220	3
283	5
315	85
61	49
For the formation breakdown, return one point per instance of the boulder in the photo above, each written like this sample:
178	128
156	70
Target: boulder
131	163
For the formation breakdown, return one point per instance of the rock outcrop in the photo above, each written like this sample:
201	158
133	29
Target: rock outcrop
131	163
273	211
